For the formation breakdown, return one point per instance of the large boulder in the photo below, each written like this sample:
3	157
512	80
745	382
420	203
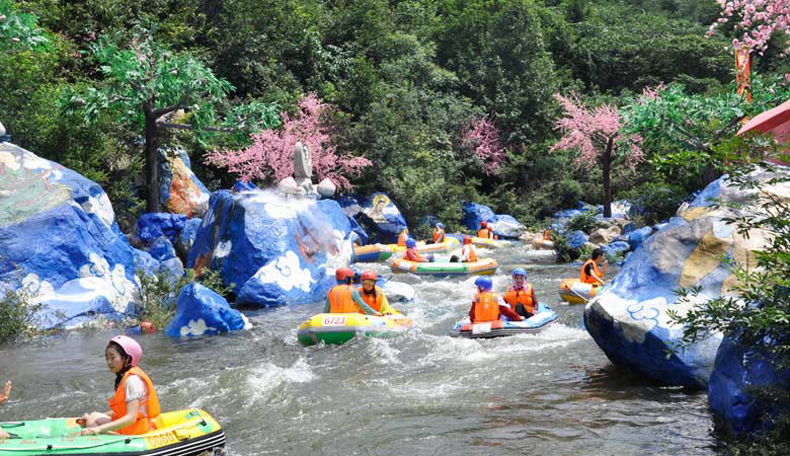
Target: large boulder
157	224
187	237
577	238
637	237
505	226
59	240
475	213
180	191
202	312
273	250
378	215
604	235
629	320
738	370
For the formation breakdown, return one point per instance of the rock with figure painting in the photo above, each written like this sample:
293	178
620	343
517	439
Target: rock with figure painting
60	243
629	320
180	190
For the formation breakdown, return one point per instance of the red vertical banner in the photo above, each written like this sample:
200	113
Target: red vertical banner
743	66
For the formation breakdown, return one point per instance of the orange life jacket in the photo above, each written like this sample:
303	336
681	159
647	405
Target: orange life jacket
438	235
588	278
472	253
145	422
374	302
341	300
402	239
486	307
414	255
516	297
546	235
483	233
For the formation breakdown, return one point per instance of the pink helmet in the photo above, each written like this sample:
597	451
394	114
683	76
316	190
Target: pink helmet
130	346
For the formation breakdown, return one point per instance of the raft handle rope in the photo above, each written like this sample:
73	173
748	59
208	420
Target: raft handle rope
127	440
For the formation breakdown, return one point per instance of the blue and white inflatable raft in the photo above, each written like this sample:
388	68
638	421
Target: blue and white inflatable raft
500	328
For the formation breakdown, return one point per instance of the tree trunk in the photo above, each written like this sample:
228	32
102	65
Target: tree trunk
151	162
606	164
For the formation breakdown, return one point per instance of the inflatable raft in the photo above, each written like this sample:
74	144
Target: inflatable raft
422	247
339	328
501	328
484	266
488	243
372	252
575	291
541	243
184	432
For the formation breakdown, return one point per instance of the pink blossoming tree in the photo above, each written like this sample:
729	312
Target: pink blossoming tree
758	19
595	134
271	153
483	137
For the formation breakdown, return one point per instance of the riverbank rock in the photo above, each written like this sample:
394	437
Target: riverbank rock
604	235
180	191
629	320
274	250
577	239
505	226
60	242
738	369
158	224
379	217
186	237
202	312
637	237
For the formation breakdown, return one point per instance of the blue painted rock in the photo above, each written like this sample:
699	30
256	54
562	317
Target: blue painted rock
738	369
275	250
475	213
241	186
362	235
157	224
202	312
629	320
613	249
637	237
161	249
577	239
144	263
187	237
381	218
59	240
505	226
628	228
180	191
567	214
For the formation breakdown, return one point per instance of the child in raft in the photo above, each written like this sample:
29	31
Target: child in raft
487	305
520	296
134	409
412	254
373	295
438	233
3	398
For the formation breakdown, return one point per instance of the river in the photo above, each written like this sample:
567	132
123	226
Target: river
422	393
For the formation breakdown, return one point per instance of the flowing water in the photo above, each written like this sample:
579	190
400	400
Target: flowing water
422	393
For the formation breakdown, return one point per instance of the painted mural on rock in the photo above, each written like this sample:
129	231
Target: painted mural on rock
180	191
275	250
60	243
629	318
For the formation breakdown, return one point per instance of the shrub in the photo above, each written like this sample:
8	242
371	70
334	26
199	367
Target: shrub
653	202
18	315
586	221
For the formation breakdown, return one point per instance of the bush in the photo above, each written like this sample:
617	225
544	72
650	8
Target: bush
565	253
653	202
586	221
18	315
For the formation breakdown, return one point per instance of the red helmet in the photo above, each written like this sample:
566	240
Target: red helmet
483	224
369	275
467	239
344	273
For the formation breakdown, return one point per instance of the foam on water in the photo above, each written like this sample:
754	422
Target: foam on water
267	377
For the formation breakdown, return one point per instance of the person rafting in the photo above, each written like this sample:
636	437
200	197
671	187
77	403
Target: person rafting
412	254
403	237
547	234
487	305
3	398
373	295
594	269
438	233
134	409
343	298
520	296
468	251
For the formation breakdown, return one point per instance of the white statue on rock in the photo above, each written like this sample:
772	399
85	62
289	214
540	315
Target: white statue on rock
302	181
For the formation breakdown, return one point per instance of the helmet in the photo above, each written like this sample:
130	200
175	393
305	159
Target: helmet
483	224
484	283
411	243
467	239
369	275
440	225
130	347
519	271
344	273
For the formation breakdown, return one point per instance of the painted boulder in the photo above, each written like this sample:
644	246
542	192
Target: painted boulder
577	238
629	320
614	249
637	237
378	216
187	237
475	213
202	312
60	242
180	191
737	371
505	226
158	224
272	249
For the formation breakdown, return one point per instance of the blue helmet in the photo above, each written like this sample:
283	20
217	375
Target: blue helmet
484	283
410	243
519	271
440	225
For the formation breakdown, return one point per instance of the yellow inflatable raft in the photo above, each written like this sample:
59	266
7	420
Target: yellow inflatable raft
575	291
339	328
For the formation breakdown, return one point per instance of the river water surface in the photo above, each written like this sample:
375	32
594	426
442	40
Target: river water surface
422	393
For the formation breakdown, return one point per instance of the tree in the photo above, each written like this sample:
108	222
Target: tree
271	152
19	30
484	138
595	133
759	20
145	83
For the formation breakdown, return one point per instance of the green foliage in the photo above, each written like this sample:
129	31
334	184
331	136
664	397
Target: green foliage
565	253
158	295
19	30
654	202
211	278
586	221
18	315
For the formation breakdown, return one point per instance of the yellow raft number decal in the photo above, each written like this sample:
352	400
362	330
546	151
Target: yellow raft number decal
334	321
160	440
